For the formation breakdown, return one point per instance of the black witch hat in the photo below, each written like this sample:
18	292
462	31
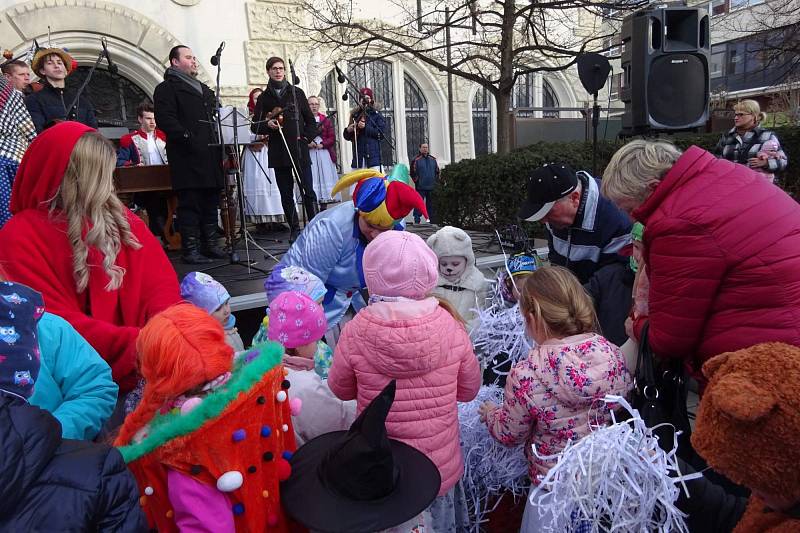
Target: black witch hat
359	481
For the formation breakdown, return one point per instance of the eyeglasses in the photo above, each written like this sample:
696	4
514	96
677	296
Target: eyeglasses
738	115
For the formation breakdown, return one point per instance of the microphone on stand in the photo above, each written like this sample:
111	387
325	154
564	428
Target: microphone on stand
339	75
332	114
344	96
295	79
112	68
215	58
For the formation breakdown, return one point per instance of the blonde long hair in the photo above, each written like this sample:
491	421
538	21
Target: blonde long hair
558	303
87	200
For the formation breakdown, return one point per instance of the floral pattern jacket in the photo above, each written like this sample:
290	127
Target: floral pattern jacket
555	395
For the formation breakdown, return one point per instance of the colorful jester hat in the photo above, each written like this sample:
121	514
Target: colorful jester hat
382	200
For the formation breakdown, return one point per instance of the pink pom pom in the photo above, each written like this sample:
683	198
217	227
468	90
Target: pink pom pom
190	404
295	406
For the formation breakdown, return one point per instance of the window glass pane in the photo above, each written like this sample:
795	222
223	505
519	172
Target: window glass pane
114	97
377	75
717	66
416	116
482	122
549	99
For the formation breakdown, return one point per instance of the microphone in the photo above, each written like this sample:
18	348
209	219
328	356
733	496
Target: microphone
112	68
217	54
344	96
295	79
339	75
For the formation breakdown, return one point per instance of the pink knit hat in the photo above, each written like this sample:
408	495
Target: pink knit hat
398	263
296	320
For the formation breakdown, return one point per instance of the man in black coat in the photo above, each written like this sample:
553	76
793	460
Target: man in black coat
298	127
184	109
51	103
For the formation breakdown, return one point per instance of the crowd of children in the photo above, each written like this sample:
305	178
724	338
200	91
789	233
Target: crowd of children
364	434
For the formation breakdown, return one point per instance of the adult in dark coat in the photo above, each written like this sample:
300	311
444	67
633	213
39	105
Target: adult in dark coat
48	483
184	109
299	128
365	129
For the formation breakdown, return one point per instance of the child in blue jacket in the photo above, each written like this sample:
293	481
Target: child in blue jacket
74	382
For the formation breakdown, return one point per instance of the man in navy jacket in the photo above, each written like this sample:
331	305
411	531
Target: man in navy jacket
585	231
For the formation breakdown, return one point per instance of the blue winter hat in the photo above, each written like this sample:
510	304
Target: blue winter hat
285	278
20	310
203	291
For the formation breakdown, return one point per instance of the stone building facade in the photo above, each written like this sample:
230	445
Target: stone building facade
141	33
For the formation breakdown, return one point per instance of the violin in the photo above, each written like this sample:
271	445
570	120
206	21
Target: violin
277	114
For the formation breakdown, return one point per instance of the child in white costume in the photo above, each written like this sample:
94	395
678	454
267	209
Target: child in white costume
460	281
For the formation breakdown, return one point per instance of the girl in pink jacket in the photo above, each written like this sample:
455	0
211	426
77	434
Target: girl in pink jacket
555	395
407	335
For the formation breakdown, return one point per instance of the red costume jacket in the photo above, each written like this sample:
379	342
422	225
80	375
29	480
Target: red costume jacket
34	250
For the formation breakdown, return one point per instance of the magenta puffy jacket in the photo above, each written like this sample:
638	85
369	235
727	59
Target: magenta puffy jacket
430	355
722	248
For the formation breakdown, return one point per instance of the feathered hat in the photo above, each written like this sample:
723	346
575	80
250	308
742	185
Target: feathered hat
382	200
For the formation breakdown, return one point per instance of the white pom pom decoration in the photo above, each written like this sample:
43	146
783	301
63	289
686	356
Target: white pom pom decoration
148	491
281	396
230	481
285	428
616	475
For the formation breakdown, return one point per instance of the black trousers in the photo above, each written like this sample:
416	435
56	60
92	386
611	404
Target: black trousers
155	203
285	181
197	207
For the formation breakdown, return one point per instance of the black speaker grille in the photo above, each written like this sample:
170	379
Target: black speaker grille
677	90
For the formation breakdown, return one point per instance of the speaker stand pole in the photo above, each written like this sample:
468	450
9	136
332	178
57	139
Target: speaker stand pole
595	123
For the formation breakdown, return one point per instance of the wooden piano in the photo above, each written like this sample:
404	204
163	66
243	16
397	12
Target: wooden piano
147	179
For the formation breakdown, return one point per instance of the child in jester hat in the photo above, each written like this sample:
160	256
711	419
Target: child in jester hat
209	442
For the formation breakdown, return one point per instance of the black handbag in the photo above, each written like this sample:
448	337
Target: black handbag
659	394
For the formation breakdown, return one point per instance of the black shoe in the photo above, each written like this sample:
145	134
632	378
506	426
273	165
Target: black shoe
190	245
208	244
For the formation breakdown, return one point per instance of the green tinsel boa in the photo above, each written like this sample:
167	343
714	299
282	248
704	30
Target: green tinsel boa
172	425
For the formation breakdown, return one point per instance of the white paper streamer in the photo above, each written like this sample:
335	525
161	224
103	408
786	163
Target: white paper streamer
500	331
617	478
490	468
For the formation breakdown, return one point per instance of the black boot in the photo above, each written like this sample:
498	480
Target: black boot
208	242
190	245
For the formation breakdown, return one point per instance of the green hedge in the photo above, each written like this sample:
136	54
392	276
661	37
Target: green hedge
485	192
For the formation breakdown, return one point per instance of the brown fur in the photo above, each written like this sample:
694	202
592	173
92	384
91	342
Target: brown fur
748	428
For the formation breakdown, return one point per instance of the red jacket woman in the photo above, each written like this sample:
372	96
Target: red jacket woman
71	239
722	249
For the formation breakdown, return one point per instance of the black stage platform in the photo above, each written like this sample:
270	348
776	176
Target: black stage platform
246	287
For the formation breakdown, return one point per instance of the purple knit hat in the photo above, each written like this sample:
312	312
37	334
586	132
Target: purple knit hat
20	310
296	320
399	263
203	291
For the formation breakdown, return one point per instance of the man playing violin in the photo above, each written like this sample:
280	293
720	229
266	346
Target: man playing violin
283	115
365	130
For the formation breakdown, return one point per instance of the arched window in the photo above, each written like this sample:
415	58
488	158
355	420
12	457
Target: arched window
524	97
328	93
377	75
482	121
549	99
114	97
416	116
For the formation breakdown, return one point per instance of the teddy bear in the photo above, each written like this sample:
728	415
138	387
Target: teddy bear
460	282
748	429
